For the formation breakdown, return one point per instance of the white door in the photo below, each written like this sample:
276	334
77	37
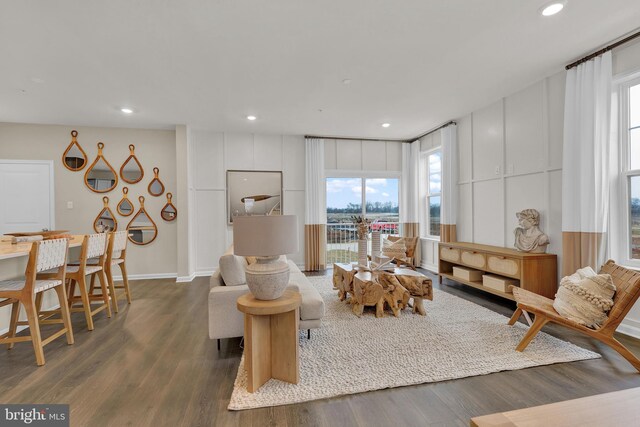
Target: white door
27	201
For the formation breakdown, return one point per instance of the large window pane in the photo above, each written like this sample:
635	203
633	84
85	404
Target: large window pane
635	217
434	215
634	149
344	199
634	106
382	204
435	173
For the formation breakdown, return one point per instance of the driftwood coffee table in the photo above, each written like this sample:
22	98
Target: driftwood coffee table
391	288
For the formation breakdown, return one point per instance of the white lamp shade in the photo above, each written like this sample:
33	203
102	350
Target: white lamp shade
265	235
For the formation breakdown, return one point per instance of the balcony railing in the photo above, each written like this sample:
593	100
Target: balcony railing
342	240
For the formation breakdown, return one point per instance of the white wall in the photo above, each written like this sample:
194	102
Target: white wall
510	158
214	153
343	156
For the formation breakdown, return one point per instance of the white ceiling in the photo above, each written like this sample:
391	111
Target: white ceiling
210	63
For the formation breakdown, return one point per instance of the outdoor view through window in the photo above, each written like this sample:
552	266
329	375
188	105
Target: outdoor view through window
345	198
634	168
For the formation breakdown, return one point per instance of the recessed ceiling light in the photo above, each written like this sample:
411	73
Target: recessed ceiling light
346	81
386	125
251	118
552	8
126	110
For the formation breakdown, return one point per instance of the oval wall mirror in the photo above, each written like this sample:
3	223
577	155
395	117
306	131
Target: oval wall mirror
101	177
74	157
169	212
142	230
156	187
106	220
131	170
125	207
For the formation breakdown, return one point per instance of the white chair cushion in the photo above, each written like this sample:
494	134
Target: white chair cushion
89	269
16	285
115	261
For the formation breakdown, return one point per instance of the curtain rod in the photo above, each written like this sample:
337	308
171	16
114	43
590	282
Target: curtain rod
603	50
449	123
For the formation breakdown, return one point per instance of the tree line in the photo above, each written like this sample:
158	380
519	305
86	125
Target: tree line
371	207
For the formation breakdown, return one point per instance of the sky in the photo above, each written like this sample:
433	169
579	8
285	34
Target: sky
342	191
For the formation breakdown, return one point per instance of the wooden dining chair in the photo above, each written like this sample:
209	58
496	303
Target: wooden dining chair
93	246
627	292
116	255
48	255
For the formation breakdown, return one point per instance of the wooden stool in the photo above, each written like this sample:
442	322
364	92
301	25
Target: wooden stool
271	338
46	255
93	245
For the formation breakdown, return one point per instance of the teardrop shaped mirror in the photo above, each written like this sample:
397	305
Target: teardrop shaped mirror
156	187
101	177
125	207
106	220
131	170
74	157
142	230
169	212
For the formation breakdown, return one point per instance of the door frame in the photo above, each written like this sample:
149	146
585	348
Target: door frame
52	196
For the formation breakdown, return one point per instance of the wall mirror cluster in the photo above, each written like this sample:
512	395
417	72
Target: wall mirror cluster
101	177
74	157
142	229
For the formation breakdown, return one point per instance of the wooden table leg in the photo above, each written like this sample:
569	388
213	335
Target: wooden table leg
284	346
418	306
257	361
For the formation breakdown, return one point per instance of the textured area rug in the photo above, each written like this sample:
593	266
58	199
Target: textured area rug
456	339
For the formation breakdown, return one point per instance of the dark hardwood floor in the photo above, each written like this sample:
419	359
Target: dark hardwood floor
154	365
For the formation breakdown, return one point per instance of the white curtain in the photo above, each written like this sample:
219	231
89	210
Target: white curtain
585	165
409	196
449	207
315	205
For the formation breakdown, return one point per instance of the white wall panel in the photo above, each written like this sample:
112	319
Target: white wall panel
464	149
426	142
295	205
488	212
394	156
555	107
209	159
210	226
524	192
524	130
293	162
267	152
374	155
330	154
488	141
464	222
238	151
348	154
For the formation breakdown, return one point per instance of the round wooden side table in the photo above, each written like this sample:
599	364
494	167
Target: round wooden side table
271	338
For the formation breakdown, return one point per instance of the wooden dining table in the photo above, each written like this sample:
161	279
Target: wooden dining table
8	250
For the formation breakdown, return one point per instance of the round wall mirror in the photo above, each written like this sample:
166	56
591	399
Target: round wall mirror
169	212
101	177
131	170
142	230
74	157
106	220
156	187
125	207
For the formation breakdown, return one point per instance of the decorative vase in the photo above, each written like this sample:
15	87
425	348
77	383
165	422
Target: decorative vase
267	278
375	243
362	252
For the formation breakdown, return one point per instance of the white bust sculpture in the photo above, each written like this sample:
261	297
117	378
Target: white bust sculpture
529	238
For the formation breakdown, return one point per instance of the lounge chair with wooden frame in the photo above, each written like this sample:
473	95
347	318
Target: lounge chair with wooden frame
627	292
411	245
45	255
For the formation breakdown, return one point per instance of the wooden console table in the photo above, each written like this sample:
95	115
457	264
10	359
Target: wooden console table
271	338
537	273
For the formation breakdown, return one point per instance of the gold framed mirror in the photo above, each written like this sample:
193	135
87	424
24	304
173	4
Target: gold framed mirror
100	177
169	212
156	187
125	207
142	230
74	158
106	220
131	170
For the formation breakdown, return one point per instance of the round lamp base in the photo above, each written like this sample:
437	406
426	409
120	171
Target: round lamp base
267	278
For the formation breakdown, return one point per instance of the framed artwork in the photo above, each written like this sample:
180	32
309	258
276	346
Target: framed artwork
253	193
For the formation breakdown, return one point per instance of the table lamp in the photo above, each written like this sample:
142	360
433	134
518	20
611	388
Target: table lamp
266	237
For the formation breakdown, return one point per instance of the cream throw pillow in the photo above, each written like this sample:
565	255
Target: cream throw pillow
395	249
585	297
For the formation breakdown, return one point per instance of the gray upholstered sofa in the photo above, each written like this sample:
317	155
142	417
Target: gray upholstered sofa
225	321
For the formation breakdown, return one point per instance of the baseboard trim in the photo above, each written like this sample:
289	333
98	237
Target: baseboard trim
630	327
430	267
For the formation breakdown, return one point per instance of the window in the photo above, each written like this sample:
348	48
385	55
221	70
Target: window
630	165
433	169
375	198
